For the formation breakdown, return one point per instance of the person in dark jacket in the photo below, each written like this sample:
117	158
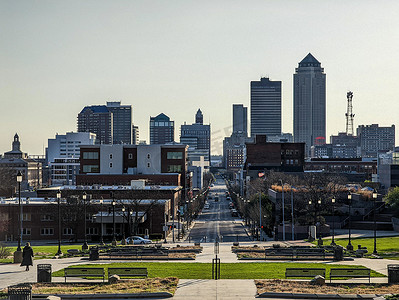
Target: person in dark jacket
27	255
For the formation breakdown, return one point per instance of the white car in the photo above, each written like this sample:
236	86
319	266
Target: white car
135	240
206	206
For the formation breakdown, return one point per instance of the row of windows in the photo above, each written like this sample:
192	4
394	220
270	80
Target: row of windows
91	168
65	231
174	155
90	155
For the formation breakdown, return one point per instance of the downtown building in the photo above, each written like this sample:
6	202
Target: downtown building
265	107
162	130
112	123
375	139
310	103
198	137
234	150
62	156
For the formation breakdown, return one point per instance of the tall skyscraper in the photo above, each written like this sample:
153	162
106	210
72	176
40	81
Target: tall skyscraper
198	137
265	107
122	122
310	103
162	129
97	119
240	121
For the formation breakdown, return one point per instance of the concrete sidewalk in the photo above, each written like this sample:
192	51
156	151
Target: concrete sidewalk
215	289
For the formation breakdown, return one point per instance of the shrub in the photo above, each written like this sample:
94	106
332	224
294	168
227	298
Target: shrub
4	251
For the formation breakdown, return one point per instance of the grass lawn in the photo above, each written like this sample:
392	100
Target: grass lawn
44	251
227	270
387	247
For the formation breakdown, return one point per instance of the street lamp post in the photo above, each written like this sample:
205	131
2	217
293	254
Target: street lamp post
283	204
375	195
59	252
320	241
333	214
349	246
123	226
260	215
101	222
19	180
85	246
310	238
18	252
113	221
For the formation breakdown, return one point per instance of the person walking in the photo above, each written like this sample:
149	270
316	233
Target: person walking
27	255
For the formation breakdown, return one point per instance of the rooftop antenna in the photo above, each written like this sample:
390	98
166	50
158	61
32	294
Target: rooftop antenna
349	115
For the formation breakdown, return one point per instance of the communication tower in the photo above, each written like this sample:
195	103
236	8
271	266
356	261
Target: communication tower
349	115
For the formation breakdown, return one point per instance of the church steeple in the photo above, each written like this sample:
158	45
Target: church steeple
16	145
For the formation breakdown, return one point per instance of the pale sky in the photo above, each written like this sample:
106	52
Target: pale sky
177	56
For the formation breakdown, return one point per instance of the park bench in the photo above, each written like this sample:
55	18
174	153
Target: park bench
84	272
350	273
279	253
128	272
304	272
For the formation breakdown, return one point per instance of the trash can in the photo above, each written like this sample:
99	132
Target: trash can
393	274
44	273
94	254
338	253
20	292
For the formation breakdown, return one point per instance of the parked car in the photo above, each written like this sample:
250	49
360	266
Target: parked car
234	213
135	240
206	206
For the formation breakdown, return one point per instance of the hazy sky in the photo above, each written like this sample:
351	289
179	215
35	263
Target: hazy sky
177	56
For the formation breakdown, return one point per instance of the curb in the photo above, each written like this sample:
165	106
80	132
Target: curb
106	296
317	296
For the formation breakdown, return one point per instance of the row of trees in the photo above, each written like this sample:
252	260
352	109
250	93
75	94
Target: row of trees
312	192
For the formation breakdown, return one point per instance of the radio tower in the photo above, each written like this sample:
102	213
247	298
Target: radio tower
349	115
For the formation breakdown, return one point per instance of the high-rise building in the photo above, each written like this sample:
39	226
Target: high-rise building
122	122
265	107
374	139
97	119
135	135
162	129
198	137
240	121
310	103
62	156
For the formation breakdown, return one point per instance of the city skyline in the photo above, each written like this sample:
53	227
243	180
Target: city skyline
59	57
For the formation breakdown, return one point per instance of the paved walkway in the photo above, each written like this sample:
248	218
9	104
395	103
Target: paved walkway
215	289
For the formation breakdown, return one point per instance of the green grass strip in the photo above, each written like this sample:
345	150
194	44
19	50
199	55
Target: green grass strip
227	270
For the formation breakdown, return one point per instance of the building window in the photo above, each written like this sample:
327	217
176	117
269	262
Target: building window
91	169
92	231
174	155
25	217
148	156
148	165
110	165
47	218
90	155
110	156
26	231
174	168
130	156
67	231
47	231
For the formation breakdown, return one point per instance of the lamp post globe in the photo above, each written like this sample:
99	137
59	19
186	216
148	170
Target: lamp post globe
123	242
59	252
